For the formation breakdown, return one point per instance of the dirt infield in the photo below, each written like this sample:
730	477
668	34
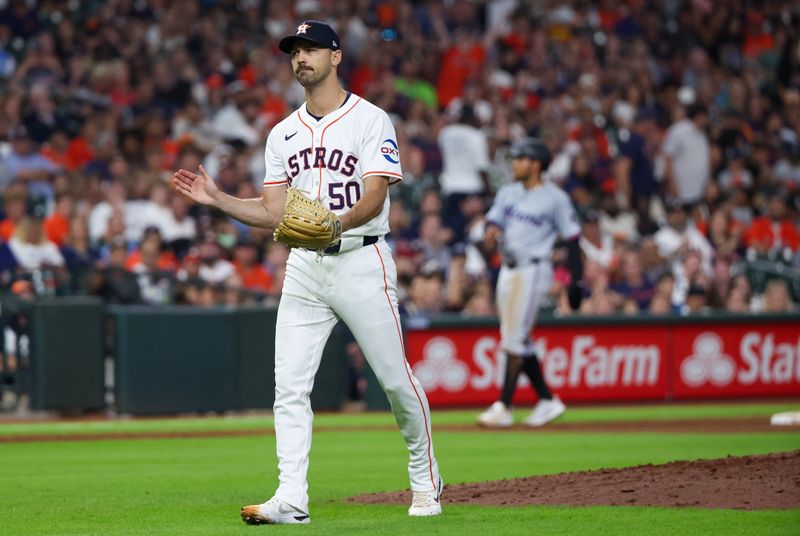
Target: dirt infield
705	426
743	483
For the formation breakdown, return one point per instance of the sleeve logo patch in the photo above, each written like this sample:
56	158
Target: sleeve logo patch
390	151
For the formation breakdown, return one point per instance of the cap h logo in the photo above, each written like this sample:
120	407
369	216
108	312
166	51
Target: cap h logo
708	363
302	28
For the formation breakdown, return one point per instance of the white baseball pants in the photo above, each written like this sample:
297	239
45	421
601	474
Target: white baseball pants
519	295
358	287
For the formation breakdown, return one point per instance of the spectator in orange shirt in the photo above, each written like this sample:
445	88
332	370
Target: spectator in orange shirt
166	260
459	63
56	148
56	226
253	275
773	232
80	150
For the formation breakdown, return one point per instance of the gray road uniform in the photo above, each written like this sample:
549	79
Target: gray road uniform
531	221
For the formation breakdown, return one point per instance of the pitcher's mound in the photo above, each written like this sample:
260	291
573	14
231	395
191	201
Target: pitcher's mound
741	482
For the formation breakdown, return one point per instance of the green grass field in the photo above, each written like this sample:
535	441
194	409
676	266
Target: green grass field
196	486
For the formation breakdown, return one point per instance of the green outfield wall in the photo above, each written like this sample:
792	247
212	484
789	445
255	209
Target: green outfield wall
172	359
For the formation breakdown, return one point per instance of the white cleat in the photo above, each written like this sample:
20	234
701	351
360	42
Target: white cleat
497	416
427	503
274	512
545	411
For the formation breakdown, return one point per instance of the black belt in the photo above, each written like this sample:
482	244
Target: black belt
330	250
526	262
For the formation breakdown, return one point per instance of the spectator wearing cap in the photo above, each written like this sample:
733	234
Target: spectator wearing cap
775	231
678	237
24	162
633	168
214	269
595	244
156	284
687	155
696	301
617	223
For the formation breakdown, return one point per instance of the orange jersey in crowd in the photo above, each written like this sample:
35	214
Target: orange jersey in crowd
166	261
767	232
256	278
7	229
56	228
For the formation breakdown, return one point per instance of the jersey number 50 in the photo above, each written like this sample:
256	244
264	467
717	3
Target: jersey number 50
343	194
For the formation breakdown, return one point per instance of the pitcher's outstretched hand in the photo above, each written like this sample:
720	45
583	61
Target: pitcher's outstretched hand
200	188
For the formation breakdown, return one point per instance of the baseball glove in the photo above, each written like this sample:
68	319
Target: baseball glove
575	295
306	223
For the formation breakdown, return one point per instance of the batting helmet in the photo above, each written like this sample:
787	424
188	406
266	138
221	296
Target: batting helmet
532	148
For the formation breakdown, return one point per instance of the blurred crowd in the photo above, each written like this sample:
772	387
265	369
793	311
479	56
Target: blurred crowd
675	127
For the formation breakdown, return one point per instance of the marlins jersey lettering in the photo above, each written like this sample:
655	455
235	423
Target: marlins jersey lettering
329	158
532	219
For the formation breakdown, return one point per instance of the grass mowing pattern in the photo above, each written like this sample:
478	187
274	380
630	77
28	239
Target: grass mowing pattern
196	486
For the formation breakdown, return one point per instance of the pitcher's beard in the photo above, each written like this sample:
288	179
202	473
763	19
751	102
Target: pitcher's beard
308	78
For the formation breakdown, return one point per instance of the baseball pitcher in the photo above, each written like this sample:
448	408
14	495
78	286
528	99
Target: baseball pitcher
329	165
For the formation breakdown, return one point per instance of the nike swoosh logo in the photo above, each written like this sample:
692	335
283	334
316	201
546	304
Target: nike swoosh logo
300	518
287	137
436	498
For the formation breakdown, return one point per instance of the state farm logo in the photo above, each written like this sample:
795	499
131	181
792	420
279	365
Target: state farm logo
708	363
440	368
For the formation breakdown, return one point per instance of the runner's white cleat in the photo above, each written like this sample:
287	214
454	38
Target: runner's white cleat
545	411
497	416
274	512
427	503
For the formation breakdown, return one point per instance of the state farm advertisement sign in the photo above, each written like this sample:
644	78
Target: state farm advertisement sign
466	367
736	360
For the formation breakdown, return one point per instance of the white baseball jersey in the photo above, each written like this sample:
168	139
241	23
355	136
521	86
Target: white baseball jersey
329	158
